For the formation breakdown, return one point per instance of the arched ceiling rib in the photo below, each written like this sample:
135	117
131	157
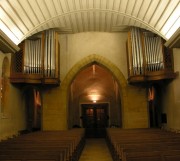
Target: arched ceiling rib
20	19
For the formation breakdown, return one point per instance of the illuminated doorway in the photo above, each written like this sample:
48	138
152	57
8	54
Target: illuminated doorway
95	119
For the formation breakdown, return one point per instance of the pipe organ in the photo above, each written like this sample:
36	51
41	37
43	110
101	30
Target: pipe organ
38	60
147	57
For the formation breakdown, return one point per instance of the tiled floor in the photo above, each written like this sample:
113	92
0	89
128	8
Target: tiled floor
95	150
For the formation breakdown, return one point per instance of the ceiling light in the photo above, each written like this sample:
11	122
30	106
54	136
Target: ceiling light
8	33
172	24
173	29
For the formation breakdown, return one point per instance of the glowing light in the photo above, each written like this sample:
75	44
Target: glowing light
94	97
8	33
173	29
172	23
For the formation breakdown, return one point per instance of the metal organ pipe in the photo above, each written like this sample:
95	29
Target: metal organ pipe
32	56
37	62
26	59
53	56
45	56
49	59
140	52
137	55
133	54
152	56
153	53
49	54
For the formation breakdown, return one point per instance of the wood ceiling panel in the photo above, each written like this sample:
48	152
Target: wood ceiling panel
108	21
80	21
9	22
158	12
119	20
143	9
91	21
132	22
39	14
103	22
130	7
111	4
70	5
51	8
77	4
166	14
29	12
97	17
90	4
16	19
137	8
58	7
22	14
73	18
126	21
25	17
123	6
151	10
104	4
86	21
117	5
83	4
64	6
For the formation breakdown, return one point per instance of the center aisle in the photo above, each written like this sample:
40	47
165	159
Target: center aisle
95	150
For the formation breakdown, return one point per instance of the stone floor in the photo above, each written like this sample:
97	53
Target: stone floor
95	150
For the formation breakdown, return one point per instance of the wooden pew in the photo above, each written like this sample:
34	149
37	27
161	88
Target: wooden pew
44	146
133	141
167	155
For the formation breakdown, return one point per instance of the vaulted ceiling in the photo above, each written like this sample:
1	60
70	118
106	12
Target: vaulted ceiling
94	83
20	19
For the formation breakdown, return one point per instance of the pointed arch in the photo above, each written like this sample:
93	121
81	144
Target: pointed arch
84	63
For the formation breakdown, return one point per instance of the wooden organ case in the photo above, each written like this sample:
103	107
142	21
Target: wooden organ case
38	60
148	59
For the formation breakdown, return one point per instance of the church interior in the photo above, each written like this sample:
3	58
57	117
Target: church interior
81	69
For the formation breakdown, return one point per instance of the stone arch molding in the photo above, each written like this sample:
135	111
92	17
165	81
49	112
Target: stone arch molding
82	64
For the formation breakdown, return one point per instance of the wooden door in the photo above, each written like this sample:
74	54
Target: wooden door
95	119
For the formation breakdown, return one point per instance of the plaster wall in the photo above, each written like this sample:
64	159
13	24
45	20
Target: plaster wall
171	97
12	117
76	51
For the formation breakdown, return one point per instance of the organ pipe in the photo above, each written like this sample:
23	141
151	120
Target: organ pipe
50	55
153	53
137	51
33	56
146	52
38	60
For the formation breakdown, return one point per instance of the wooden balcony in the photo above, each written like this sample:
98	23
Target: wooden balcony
148	58
37	62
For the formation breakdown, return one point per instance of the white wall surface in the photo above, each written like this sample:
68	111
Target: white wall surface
75	47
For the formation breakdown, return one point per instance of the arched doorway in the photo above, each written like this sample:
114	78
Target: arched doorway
61	106
94	100
87	61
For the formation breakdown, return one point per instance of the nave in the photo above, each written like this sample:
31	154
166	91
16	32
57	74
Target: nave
71	145
95	149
